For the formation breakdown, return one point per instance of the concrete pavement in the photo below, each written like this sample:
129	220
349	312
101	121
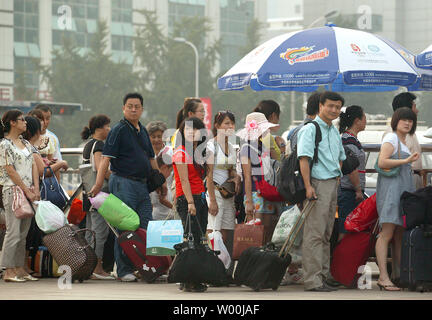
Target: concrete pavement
48	289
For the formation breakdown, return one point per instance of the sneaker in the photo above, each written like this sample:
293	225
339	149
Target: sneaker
199	287
129	278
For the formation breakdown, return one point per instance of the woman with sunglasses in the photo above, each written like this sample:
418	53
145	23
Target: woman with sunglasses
222	180
17	168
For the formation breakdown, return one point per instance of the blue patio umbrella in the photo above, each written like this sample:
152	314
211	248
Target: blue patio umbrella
424	59
339	59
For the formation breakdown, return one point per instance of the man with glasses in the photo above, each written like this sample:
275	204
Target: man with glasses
130	154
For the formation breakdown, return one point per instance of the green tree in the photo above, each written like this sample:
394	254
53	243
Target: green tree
92	79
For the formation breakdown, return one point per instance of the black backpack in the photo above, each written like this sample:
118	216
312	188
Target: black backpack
351	162
290	183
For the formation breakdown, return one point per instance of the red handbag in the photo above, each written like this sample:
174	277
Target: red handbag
362	217
267	191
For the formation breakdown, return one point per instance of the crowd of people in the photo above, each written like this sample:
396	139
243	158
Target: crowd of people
208	177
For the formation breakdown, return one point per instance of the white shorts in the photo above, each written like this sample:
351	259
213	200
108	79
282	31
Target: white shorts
225	218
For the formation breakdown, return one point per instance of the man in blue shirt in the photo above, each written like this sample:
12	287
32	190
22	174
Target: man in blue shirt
129	152
321	184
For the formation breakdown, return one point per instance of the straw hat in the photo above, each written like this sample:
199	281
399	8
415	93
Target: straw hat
256	124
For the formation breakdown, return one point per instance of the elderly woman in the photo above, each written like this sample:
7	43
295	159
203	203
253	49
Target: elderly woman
17	169
162	206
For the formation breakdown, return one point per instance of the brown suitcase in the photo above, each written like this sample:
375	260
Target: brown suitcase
68	246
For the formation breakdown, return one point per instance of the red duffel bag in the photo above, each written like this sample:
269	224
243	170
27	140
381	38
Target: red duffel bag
362	217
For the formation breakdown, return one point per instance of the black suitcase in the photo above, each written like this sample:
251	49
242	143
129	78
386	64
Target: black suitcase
261	268
416	259
264	267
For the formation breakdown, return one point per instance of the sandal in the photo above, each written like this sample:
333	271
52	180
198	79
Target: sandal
388	287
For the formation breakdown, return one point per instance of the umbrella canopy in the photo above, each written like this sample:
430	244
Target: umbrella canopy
341	59
424	59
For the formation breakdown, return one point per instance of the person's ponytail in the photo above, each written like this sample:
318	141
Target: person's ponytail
85	133
347	118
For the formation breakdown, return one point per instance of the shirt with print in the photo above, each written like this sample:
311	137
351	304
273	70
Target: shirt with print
195	173
352	143
330	149
21	159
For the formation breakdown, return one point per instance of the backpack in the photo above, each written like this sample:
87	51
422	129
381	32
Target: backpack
290	181
351	162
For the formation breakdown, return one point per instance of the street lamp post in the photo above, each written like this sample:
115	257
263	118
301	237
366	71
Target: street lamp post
183	40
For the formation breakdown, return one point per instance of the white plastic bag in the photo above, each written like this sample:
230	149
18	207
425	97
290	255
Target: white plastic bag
218	245
287	221
49	217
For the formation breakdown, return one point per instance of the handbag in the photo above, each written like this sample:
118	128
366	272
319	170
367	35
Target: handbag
393	172
51	190
21	205
267	190
196	263
226	189
88	174
246	236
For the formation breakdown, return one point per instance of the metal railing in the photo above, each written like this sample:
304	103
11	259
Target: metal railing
71	177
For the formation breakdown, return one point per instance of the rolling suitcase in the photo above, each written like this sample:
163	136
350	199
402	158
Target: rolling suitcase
416	259
264	267
133	244
351	253
69	247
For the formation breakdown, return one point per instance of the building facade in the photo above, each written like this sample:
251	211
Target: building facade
31	29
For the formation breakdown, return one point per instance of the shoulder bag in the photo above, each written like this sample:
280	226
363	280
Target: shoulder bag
51	190
393	172
88	173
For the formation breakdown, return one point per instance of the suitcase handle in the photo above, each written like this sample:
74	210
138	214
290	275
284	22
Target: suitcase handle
289	244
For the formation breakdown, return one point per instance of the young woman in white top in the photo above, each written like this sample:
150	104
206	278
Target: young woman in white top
394	153
221	163
17	168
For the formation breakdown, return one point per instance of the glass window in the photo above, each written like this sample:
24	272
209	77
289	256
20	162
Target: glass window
18	35
20	49
92	13
18	5
32	22
31	36
91	26
18	19
34	50
81	25
116	42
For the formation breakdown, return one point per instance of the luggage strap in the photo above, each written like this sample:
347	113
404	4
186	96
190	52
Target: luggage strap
296	228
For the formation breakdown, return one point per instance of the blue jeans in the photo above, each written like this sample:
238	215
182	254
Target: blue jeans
135	194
